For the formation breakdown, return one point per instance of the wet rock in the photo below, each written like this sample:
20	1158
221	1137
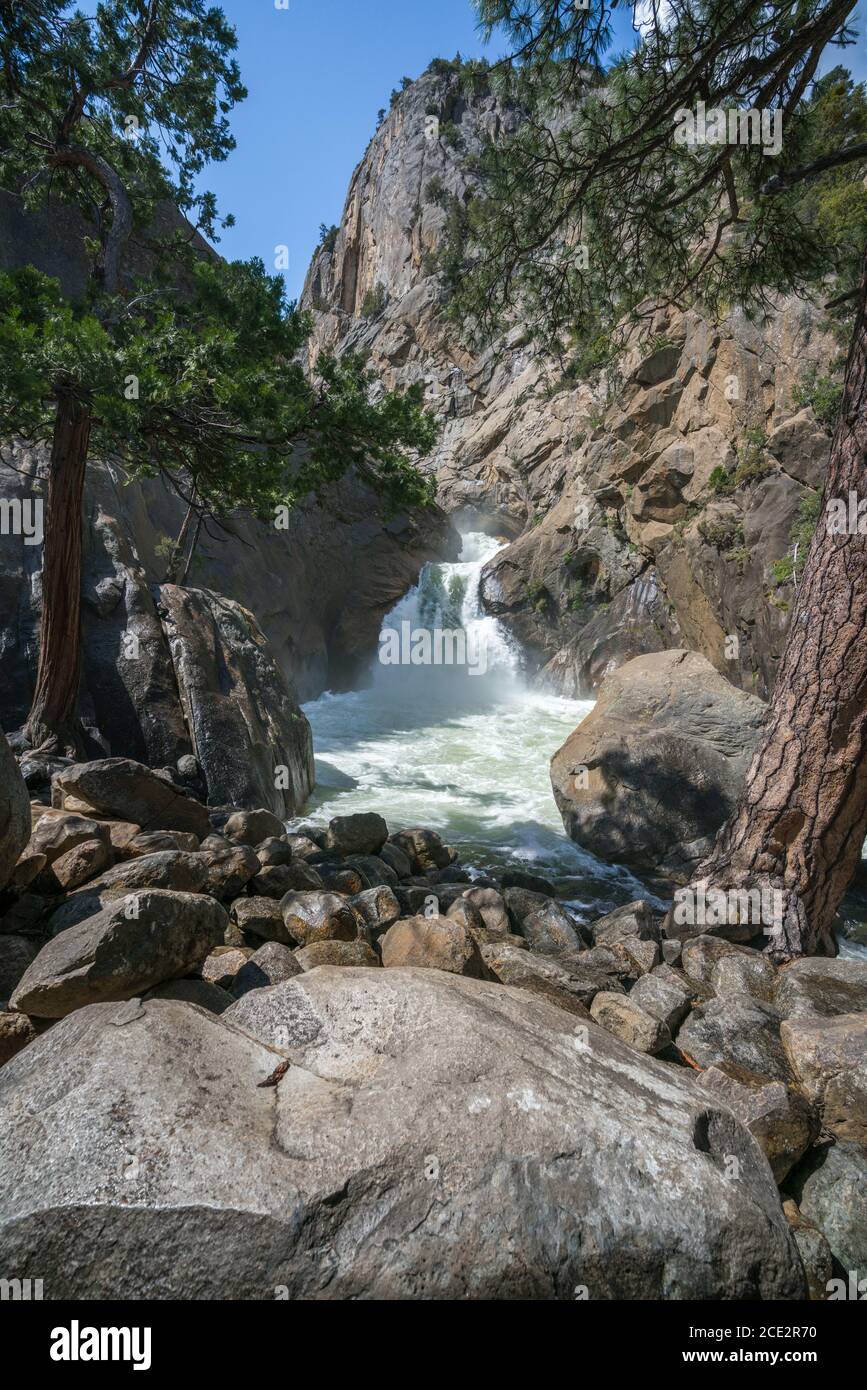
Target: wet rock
432	943
374	871
262	918
510	1128
780	1118
310	917
252	827
424	849
736	1028
534	883
270	965
828	1057
354	954
397	860
816	987
112	956
377	908
121	789
273	850
358	834
277	880
302	846
340	880
621	1015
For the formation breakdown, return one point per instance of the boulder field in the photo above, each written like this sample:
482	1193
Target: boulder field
332	1062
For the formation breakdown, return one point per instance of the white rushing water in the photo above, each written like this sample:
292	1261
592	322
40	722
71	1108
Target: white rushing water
462	749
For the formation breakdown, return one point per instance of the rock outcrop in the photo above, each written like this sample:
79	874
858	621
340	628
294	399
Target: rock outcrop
656	767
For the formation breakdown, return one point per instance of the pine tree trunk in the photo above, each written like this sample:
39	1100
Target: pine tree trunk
802	817
52	724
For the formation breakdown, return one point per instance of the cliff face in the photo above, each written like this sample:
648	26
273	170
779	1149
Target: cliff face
620	542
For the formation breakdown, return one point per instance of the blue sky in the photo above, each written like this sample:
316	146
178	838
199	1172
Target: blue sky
317	73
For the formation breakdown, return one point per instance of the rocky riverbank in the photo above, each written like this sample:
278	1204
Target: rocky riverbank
335	1062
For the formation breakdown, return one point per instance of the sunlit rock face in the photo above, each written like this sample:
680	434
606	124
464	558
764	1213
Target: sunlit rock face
621	543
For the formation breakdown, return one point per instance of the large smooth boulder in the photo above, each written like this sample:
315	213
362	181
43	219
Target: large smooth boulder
14	812
656	767
327	1184
127	1175
364	833
310	917
115	956
120	789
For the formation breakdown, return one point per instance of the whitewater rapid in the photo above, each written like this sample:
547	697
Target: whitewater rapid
466	754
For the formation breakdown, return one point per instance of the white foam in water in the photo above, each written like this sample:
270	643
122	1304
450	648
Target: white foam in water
465	754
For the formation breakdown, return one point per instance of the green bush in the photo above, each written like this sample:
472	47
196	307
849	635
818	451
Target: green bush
435	190
724	534
373	302
328	237
720	480
822	393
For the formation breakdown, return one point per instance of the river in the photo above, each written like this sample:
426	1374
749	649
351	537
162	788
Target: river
465	749
461	749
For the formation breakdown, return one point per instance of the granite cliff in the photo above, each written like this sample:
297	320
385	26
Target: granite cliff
624	539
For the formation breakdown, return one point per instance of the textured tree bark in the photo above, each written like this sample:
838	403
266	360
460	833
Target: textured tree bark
52	724
802	817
